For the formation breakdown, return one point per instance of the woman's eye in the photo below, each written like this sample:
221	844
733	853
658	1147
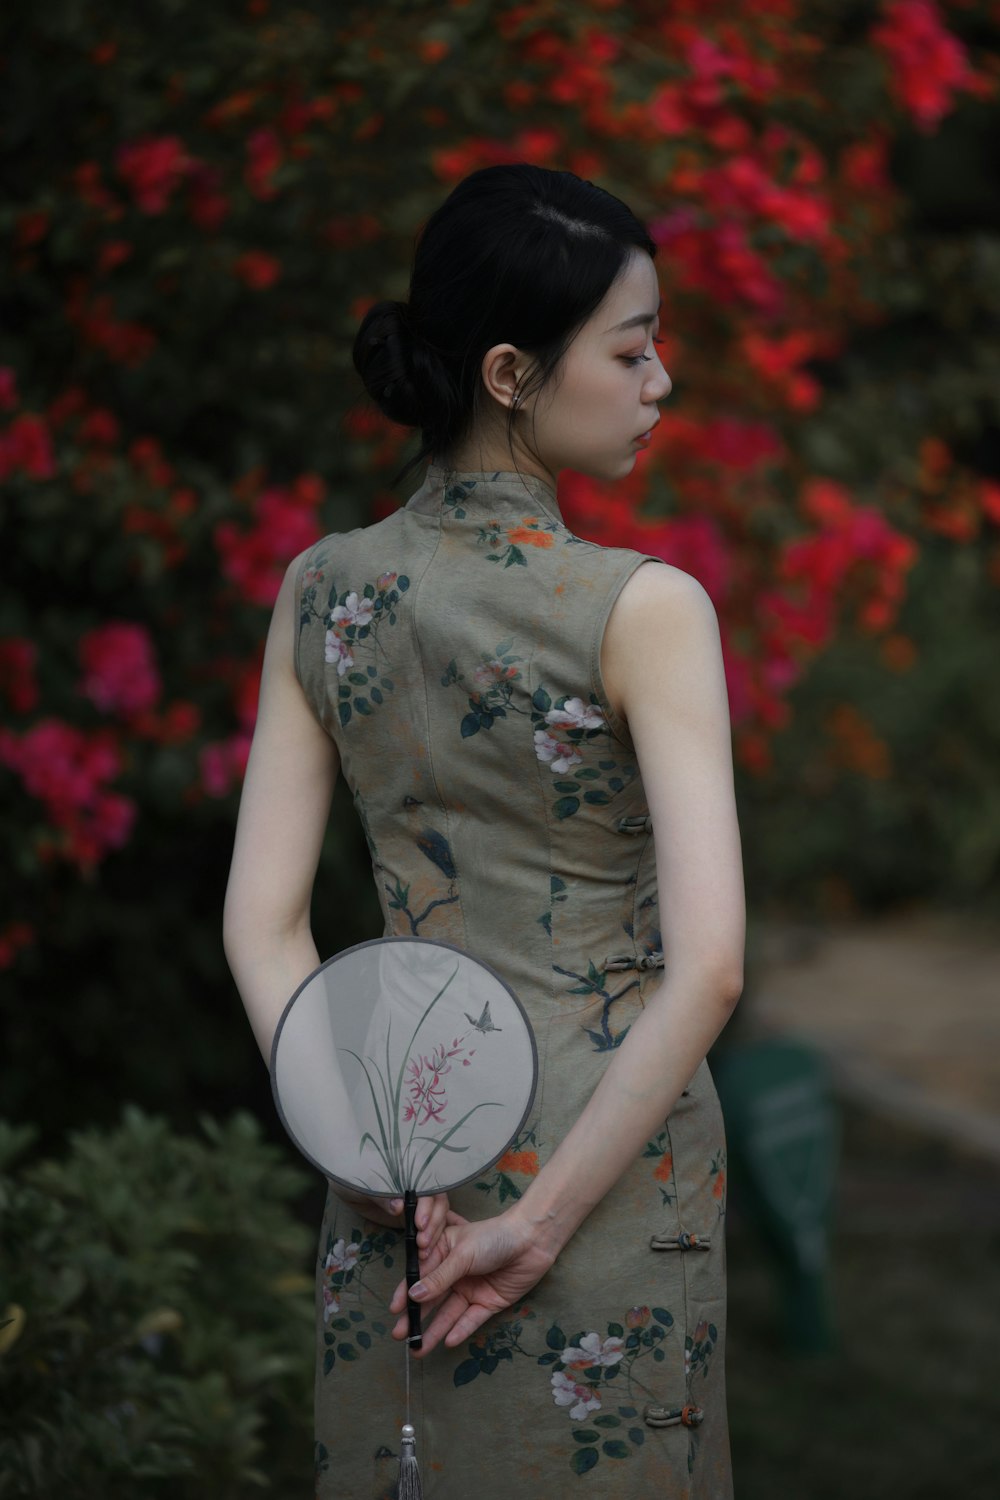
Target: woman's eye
639	359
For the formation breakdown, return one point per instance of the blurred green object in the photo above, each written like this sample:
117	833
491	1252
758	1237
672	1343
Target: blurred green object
156	1316
783	1141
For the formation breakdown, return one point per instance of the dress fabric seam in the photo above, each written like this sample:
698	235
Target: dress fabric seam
442	804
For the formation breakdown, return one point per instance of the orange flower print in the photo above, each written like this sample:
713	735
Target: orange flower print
719	1185
529	534
525	1162
509	552
664	1170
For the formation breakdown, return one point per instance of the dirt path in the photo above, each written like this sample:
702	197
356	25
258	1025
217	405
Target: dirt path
906	1008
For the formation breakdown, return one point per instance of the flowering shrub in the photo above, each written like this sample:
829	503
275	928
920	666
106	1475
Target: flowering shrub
185	269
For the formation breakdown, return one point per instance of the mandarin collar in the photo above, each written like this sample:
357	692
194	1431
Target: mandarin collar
484	492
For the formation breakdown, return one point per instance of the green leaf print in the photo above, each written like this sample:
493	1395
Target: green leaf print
616	1448
353	620
583	1460
490	688
566	807
466	1371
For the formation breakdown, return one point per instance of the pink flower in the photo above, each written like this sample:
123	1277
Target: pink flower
120	672
579	1398
556	754
575	714
67	770
284	524
222	764
427	1098
353	611
337	651
593	1350
343	1257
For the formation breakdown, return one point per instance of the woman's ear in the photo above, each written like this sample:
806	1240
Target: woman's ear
504	368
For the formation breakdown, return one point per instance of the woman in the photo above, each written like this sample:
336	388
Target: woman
516	711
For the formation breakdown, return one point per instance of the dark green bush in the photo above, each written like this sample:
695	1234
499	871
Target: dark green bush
156	1302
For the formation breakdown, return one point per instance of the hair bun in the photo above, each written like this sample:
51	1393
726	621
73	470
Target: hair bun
383	357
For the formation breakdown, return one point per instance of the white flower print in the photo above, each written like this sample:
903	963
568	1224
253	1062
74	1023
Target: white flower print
555	753
593	1350
353	611
575	714
331	1304
343	1257
579	1398
337	651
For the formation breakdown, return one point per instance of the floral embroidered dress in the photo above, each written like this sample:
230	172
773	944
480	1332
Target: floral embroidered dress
452	651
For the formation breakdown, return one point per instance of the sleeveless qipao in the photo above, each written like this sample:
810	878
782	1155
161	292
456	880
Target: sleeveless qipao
452	651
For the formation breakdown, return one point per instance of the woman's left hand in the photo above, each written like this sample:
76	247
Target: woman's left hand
431	1216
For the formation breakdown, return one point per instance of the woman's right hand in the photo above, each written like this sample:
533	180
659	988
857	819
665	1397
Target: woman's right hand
479	1269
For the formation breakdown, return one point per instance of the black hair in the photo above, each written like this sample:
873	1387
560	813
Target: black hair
515	254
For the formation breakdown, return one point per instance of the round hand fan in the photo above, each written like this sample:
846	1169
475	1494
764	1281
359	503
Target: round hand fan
400	1067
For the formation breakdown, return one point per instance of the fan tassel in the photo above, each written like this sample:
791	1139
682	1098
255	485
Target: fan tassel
409	1487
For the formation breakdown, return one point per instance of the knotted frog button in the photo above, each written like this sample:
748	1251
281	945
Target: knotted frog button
672	1416
684	1240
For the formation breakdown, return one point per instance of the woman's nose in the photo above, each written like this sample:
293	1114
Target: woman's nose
661	385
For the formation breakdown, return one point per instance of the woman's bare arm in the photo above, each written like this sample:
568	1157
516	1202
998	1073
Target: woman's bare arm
662	665
290	777
289	783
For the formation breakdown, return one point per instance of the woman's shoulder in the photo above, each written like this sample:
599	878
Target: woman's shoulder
341	545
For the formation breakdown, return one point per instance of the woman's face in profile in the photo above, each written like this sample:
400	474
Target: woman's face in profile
605	396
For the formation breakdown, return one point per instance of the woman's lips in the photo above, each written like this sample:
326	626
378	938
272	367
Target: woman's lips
644	440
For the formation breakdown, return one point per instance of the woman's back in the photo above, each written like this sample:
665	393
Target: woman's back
452	651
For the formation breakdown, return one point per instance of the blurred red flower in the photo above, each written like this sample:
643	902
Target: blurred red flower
27	445
264	157
153	167
17	673
8	388
257	270
927	65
